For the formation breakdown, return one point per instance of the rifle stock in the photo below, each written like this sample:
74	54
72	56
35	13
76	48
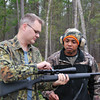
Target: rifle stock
6	88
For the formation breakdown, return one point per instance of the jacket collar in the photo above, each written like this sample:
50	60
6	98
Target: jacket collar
16	45
79	58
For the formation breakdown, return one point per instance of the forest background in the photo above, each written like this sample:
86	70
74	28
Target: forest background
58	16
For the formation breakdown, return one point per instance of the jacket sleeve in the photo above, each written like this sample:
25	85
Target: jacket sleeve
11	72
94	86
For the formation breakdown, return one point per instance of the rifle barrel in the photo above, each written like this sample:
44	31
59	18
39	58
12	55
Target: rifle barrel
82	75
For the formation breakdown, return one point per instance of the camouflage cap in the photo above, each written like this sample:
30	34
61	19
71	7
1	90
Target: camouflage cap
73	33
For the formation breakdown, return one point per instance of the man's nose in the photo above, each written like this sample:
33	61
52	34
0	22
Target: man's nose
37	35
69	43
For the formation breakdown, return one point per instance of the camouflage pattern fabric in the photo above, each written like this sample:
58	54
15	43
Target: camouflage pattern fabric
74	32
13	68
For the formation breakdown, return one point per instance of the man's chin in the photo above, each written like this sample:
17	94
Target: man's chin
69	53
32	42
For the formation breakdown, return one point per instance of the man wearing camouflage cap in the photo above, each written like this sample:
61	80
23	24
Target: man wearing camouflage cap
72	56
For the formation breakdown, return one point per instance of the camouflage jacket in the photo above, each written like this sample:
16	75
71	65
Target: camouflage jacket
85	63
13	68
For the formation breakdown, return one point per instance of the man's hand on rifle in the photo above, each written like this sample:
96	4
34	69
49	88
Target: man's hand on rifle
44	65
52	95
62	79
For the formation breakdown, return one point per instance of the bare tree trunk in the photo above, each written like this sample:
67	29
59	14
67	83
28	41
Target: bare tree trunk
4	20
50	32
17	12
46	32
89	25
82	22
68	14
22	8
75	14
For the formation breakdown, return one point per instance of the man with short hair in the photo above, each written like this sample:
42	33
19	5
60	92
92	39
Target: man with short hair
19	59
72	56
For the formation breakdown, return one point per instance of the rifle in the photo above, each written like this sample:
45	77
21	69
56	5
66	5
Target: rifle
6	88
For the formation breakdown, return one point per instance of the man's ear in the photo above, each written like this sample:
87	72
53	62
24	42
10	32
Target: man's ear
24	26
61	39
